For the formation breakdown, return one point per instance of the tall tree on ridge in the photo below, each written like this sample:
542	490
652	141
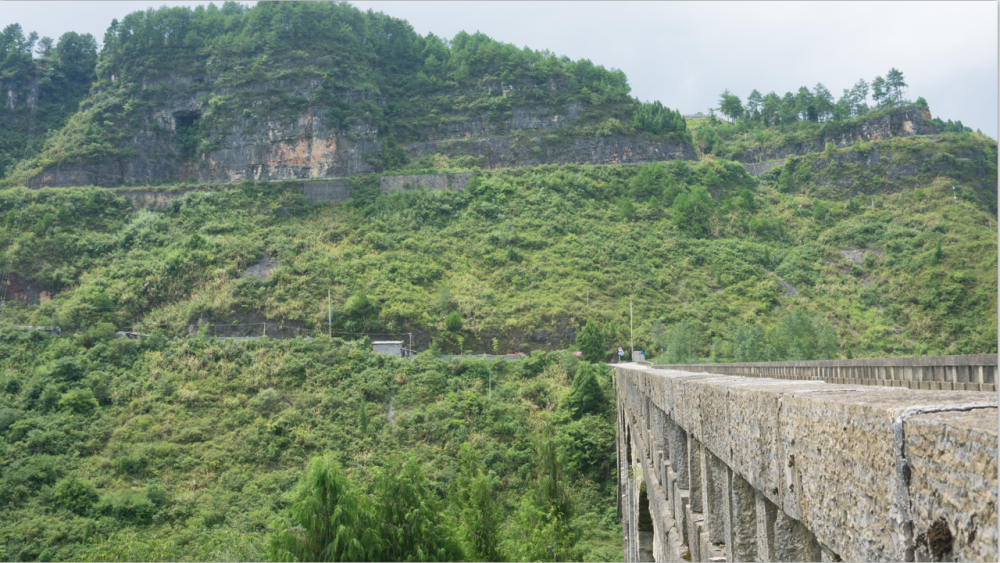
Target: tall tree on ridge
822	101
730	105
896	82
878	90
770	109
789	109
805	104
755	103
861	88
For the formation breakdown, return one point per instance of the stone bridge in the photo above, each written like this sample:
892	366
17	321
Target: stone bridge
777	465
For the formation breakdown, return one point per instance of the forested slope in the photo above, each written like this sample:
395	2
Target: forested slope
306	90
864	237
44	91
118	450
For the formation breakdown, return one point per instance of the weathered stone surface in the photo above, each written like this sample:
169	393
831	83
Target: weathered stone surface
767	515
952	458
855	472
507	152
793	541
853	499
741	543
306	145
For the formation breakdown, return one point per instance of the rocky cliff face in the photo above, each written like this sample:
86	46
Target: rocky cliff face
19	93
504	151
256	144
904	123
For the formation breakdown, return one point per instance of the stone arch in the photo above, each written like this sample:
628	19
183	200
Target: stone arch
644	526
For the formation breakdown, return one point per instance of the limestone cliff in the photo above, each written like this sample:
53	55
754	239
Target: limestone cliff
904	123
257	143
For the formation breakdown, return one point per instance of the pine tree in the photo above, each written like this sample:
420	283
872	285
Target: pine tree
585	394
590	341
878	90
480	514
411	526
626	209
331	521
654	206
896	83
363	416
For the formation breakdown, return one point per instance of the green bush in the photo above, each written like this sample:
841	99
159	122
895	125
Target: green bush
79	401
453	322
75	495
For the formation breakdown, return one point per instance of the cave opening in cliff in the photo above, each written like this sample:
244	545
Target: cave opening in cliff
186	133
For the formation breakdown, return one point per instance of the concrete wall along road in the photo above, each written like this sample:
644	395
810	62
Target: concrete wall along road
729	468
327	190
334	190
454	182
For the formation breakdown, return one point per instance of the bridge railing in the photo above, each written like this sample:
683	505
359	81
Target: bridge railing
972	372
725	468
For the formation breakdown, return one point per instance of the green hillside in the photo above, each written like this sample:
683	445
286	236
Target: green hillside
862	234
191	449
518	252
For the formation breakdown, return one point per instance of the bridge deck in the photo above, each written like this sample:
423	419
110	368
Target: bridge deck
717	467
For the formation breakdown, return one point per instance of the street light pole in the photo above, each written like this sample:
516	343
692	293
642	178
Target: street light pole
631	340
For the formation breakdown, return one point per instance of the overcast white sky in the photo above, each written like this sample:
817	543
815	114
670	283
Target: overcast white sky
685	53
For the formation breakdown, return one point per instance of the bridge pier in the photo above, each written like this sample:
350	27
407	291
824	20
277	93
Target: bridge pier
726	468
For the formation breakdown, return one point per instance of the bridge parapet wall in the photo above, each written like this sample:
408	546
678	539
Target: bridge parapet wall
715	467
972	372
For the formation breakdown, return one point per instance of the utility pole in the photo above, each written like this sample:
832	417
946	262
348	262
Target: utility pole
588	297
631	341
329	313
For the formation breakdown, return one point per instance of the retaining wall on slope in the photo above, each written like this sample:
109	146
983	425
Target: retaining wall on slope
717	467
331	190
455	182
972	372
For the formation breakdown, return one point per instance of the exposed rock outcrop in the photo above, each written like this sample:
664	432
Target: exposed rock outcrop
912	121
303	144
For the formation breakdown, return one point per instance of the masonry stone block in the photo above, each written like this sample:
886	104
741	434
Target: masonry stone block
742	542
696	464
767	515
793	541
679	456
714	504
952	460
